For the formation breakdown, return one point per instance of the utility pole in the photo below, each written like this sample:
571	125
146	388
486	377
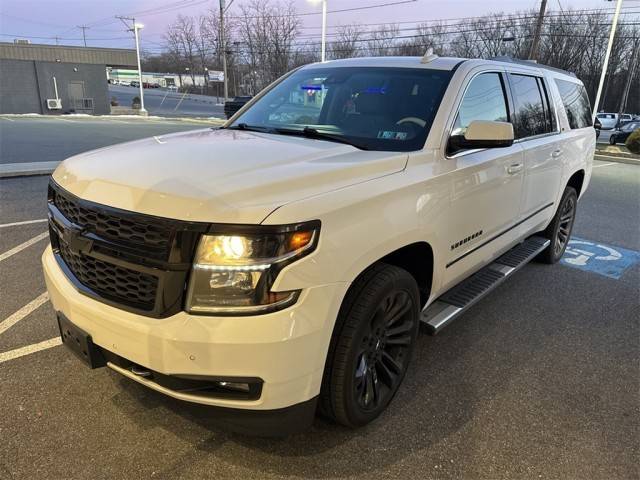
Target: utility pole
533	53
84	31
605	65
135	28
632	69
223	46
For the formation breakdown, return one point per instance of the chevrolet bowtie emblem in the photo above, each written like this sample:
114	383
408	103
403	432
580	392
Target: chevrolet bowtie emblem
74	238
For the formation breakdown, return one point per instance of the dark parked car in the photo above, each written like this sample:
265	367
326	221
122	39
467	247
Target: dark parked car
134	83
232	106
620	134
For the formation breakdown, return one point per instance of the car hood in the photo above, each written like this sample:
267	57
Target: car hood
224	176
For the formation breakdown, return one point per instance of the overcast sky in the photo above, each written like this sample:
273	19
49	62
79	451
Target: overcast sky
50	18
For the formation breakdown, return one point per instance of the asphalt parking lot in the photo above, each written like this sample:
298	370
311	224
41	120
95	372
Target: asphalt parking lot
168	103
41	138
541	379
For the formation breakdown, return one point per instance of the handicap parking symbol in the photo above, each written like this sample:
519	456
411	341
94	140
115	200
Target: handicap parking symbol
599	258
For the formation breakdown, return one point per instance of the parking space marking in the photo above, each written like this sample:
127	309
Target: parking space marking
599	258
15	317
36	347
605	165
25	222
24	245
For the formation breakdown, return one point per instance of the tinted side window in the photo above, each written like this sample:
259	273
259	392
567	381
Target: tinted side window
530	115
483	100
576	104
548	106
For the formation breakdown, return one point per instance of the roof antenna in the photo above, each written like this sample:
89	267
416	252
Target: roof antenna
429	56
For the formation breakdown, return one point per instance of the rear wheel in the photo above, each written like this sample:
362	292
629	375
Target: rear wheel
371	345
612	140
559	230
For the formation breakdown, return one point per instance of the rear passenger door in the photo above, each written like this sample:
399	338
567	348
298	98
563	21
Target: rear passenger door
536	130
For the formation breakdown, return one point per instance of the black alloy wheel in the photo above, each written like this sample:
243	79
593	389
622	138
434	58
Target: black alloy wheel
371	346
565	225
560	228
384	351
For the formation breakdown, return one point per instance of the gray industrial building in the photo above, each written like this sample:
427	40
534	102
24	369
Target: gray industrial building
50	79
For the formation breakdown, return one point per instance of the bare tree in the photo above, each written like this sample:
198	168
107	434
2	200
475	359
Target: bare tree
264	43
182	41
347	42
382	40
268	30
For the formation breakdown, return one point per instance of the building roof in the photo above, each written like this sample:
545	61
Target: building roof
58	53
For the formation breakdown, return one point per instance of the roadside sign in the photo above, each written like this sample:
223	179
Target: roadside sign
599	258
216	76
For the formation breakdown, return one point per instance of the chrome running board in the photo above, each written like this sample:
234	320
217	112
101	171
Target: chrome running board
455	301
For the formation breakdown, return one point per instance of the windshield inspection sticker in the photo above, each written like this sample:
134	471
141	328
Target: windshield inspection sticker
598	258
388	135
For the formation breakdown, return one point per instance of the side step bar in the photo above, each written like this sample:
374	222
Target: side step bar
455	301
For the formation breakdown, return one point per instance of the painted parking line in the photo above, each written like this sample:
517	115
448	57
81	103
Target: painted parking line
15	317
22	246
29	349
606	260
606	165
25	222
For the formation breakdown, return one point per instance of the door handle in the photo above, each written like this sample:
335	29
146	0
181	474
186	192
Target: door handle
514	168
556	153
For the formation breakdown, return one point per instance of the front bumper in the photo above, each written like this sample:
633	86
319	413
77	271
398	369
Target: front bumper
286	349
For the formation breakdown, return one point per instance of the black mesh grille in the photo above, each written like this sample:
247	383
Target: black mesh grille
131	260
150	234
111	281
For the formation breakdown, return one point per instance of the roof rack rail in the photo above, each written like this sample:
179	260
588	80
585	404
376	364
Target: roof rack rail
531	63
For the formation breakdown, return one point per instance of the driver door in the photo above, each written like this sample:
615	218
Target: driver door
486	184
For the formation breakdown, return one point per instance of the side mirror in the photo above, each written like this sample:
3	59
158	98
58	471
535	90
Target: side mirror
484	134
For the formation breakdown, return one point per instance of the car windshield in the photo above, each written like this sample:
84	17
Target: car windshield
372	108
629	127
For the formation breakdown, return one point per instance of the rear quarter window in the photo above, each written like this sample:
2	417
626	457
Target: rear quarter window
576	104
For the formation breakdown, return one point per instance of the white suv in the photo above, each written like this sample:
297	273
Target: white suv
281	264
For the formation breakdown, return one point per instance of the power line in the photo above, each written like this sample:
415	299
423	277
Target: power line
84	34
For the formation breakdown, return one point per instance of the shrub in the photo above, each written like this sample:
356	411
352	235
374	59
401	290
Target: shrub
633	141
114	102
135	103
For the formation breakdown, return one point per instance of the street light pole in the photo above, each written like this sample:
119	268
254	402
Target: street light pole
223	46
324	30
323	48
603	74
136	27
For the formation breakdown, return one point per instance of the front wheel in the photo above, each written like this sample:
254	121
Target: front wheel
612	140
371	345
560	228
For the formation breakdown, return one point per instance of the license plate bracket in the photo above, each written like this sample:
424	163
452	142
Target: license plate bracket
80	343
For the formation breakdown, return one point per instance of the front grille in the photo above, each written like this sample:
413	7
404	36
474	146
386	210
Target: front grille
111	281
154	235
129	260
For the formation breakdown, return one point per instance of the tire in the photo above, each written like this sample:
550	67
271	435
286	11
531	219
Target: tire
612	140
367	359
560	228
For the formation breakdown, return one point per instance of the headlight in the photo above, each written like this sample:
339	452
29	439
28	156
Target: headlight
235	267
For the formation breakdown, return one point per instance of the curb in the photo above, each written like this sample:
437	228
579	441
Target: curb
8	170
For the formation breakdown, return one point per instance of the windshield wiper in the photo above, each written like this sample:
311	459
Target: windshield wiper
250	128
310	132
